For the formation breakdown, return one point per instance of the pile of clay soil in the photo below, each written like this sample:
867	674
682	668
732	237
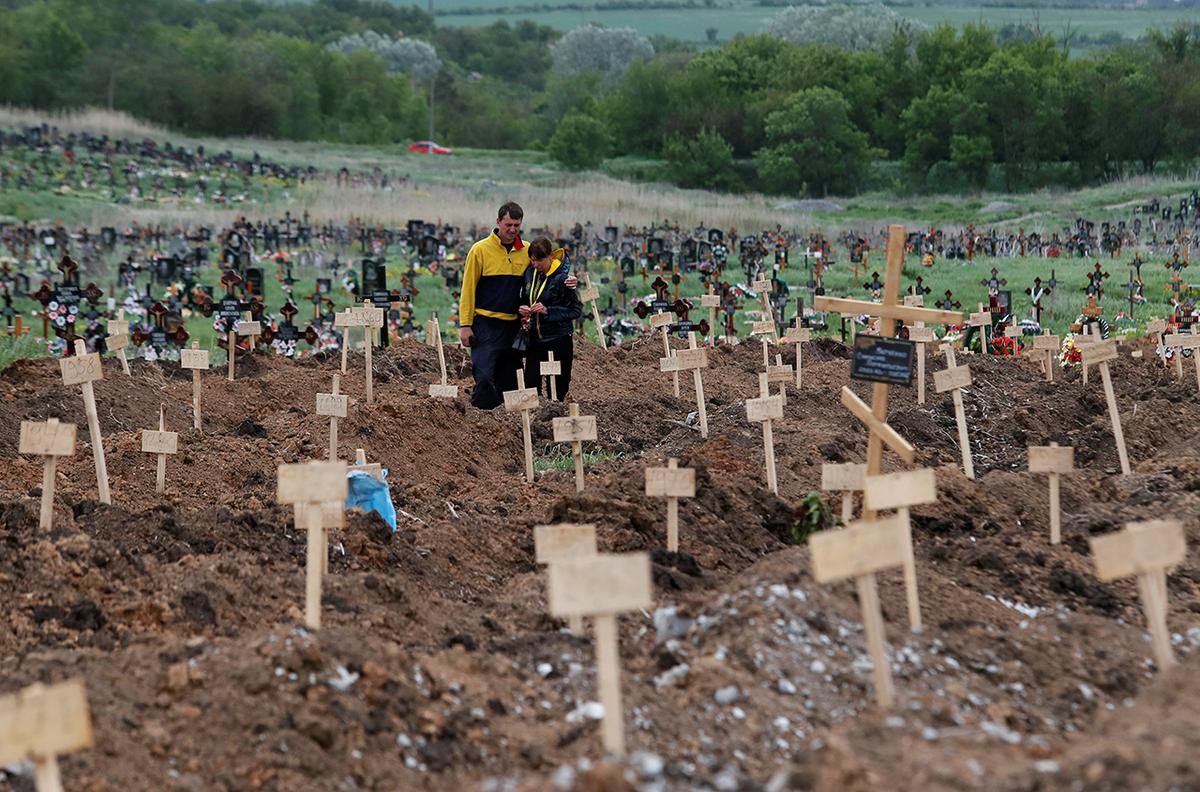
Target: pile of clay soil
438	667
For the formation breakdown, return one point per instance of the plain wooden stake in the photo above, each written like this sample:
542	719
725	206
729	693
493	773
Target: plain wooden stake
1118	435
369	337
672	514
700	403
333	432
93	420
868	599
608	672
768	437
160	481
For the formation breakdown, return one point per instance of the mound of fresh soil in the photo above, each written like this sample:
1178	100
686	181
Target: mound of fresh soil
438	667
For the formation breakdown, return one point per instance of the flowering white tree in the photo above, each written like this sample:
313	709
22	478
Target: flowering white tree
606	50
418	59
852	27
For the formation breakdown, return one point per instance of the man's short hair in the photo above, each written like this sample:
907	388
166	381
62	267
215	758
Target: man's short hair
512	209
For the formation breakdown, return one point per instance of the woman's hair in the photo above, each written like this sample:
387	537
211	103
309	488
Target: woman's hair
540	248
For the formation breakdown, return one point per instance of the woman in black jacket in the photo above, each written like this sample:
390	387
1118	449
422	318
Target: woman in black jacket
549	310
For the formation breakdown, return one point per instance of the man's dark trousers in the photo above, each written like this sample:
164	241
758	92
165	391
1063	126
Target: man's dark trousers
493	360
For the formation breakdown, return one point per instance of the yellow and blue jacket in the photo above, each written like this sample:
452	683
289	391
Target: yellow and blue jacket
492	280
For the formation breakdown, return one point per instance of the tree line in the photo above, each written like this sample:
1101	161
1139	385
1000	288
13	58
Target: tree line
820	105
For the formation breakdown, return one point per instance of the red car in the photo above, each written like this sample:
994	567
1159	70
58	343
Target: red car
428	147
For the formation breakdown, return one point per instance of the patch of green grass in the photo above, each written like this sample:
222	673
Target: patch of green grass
560	459
13	348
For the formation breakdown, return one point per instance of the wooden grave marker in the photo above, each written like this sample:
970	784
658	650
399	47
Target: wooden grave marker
663	320
373	320
858	552
672	483
49	440
118	338
335	405
360	463
602	586
195	359
1157	327
691	359
983	320
83	369
1099	355
1014	332
551	369
240	329
874	416
780	373
1146	550
765	409
1054	460
798	336
41	722
900	491
591	294
523	399
767	326
1050	344
310	485
921	335
846	478
1179	342
444	390
164	444
954	378
554	543
712	302
574	429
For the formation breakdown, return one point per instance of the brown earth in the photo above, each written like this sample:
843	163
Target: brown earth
438	668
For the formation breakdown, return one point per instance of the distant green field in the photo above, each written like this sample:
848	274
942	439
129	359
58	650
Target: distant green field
691	23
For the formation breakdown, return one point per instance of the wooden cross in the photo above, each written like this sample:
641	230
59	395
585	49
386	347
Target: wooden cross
875	415
163	443
1050	344
1179	342
372	322
444	390
797	335
765	409
1145	550
691	359
310	485
118	338
1100	354
663	320
243	328
1157	327
523	399
983	320
335	405
847	479
763	289
41	722
551	369
921	335
591	294
83	369
195	359
712	302
574	429
49	440
900	491
360	463
601	587
1054	461
954	378
672	483
858	552
561	542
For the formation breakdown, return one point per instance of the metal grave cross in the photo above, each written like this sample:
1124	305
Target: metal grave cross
1095	285
994	283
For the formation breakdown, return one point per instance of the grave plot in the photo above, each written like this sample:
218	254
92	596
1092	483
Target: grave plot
439	661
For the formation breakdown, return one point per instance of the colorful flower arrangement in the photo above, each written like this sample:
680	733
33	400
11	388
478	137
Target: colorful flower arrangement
1069	354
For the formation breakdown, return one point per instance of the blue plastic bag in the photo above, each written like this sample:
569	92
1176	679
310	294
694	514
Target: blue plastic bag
371	494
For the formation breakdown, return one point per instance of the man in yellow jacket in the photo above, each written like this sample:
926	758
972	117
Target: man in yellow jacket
493	275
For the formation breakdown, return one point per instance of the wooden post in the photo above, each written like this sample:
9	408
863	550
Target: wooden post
1099	355
858	552
575	429
83	369
591	294
523	399
1146	550
763	289
373	318
712	302
764	409
49	440
954	379
602	586
798	336
846	478
163	443
695	358
310	485
335	405
1014	332
781	373
900	491
553	543
1157	327
664	321
1053	461
41	722
343	320
252	329
444	390
1050	344
195	359
875	415
118	338
983	320
551	368
672	483
922	336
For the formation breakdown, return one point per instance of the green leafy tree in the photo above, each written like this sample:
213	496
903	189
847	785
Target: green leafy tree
812	146
581	141
703	161
972	155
